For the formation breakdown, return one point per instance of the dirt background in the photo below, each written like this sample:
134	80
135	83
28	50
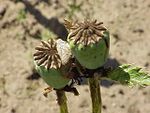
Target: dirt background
24	23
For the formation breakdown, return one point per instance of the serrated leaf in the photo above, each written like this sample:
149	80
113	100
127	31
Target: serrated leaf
130	75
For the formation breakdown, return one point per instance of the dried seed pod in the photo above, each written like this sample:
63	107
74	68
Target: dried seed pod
89	42
52	60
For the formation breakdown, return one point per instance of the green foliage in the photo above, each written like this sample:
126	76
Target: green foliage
21	15
46	34
16	1
62	101
95	94
127	74
73	7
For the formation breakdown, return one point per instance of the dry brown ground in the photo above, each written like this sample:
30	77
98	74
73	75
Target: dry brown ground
20	88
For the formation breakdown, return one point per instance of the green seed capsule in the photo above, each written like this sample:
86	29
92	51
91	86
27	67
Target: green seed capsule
89	42
53	77
51	65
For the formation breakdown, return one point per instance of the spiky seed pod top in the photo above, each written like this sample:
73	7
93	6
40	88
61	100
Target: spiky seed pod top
47	55
52	60
86	33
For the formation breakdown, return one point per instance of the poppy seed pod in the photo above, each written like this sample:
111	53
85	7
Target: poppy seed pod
52	62
89	42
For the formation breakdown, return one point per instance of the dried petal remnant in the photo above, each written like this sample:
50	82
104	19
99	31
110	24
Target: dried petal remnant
63	51
46	55
86	33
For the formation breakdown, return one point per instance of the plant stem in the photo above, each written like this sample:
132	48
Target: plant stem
62	101
95	94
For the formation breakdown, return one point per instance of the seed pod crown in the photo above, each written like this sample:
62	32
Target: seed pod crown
85	33
49	54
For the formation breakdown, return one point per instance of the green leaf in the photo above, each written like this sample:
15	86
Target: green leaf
47	34
22	14
127	74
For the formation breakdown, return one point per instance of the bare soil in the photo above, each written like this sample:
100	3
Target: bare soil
23	23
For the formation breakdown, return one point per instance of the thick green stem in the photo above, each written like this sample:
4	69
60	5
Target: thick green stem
95	94
62	101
